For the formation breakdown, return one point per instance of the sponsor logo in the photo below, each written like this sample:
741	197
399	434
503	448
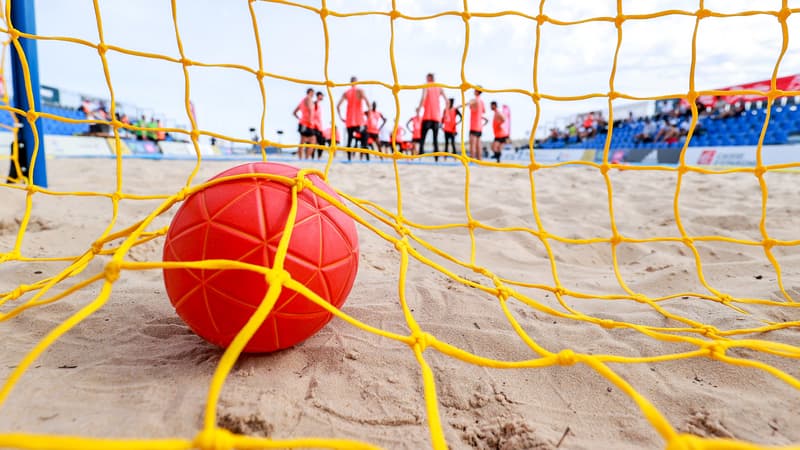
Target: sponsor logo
732	159
707	157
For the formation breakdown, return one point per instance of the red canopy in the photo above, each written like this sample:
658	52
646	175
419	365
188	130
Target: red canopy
788	83
705	100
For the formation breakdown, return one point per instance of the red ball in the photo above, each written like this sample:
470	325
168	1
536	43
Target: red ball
244	220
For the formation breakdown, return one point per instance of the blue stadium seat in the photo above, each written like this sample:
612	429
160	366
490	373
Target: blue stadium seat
5	118
776	138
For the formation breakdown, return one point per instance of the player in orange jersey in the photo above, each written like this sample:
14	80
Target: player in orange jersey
304	114
355	120
450	120
414	125
373	116
317	124
476	123
432	114
500	129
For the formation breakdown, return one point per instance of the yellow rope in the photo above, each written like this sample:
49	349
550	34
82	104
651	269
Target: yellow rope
705	341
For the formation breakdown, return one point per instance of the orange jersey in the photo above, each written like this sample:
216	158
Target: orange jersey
497	125
317	120
305	114
476	115
398	135
449	120
416	123
372	121
355	115
431	105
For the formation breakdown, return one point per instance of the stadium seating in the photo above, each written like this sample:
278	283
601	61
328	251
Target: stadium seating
63	128
55	127
740	130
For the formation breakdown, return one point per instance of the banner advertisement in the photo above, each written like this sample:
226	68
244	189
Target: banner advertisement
548	156
730	156
642	156
706	156
173	148
76	146
138	147
742	155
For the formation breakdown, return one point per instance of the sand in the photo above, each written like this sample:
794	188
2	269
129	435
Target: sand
134	370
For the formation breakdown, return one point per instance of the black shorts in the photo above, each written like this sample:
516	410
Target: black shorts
386	143
306	131
320	137
501	140
373	136
430	124
417	140
475	133
449	135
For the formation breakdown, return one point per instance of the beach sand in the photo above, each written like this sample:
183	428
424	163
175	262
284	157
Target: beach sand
134	370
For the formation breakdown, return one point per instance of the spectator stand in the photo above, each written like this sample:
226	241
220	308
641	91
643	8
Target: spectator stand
725	124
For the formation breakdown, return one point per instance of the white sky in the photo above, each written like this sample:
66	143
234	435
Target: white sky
654	56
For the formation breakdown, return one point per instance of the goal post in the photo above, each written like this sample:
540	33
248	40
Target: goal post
26	93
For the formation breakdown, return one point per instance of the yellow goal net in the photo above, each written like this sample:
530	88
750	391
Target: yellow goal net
692	321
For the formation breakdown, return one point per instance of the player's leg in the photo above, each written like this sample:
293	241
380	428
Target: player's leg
435	130
351	136
320	141
422	137
451	139
364	142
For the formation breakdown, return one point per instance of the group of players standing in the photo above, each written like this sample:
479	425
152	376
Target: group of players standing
364	123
